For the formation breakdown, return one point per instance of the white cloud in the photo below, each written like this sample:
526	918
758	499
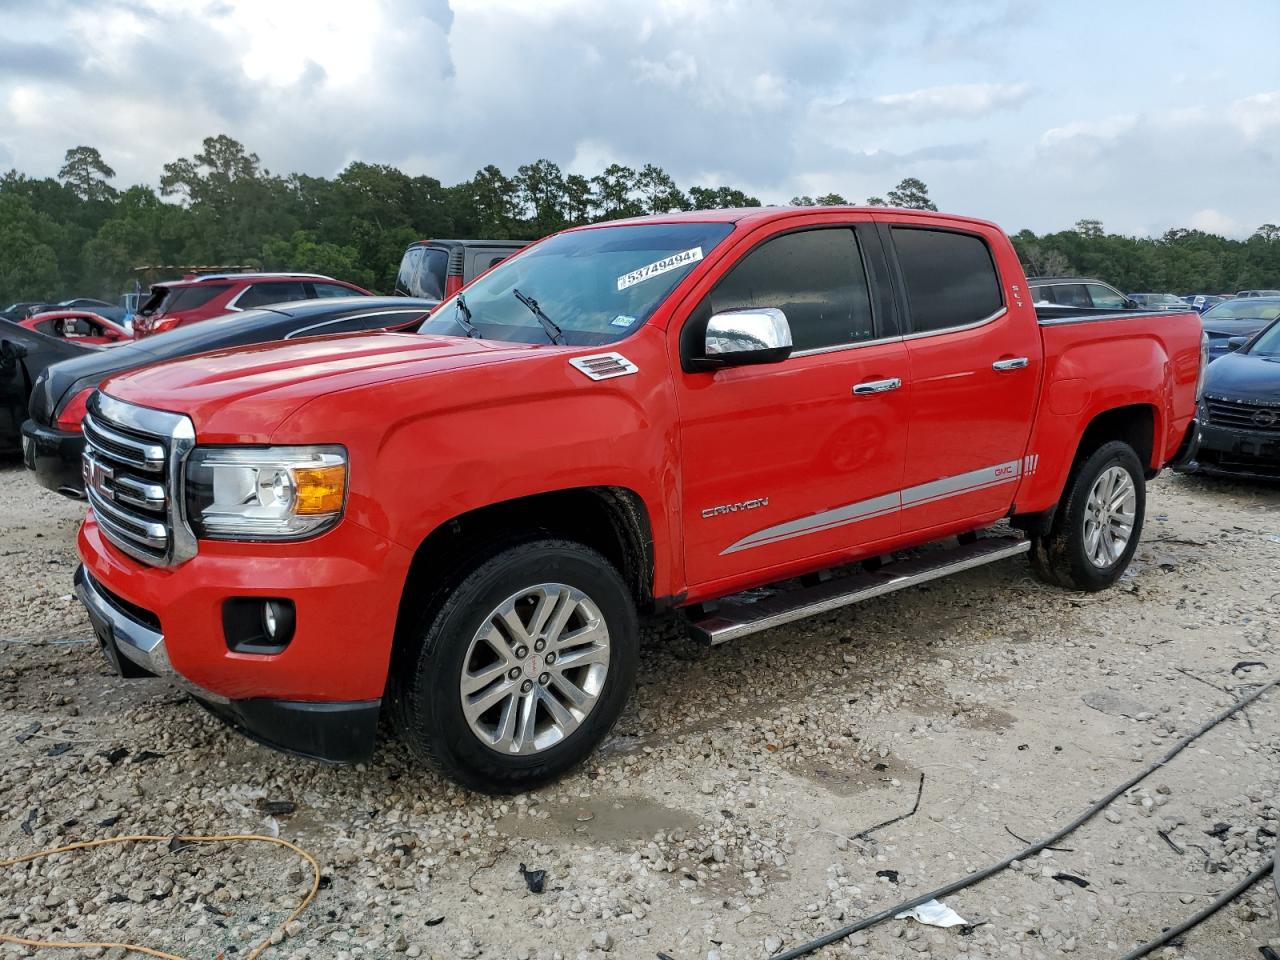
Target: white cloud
997	104
1087	134
676	69
1256	114
1215	221
952	100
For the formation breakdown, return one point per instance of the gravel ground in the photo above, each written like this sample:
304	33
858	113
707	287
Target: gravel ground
723	818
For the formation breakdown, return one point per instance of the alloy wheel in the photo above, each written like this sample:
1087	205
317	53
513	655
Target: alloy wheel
535	669
1109	516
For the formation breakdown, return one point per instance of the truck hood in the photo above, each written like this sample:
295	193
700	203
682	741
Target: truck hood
264	384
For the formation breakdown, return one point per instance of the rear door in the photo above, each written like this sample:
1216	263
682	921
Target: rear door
784	462
975	370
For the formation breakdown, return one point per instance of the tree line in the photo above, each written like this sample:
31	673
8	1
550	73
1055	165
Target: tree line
77	234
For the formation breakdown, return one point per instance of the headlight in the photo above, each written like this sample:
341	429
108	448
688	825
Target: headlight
265	493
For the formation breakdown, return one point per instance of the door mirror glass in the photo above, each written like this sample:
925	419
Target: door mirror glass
741	337
1235	343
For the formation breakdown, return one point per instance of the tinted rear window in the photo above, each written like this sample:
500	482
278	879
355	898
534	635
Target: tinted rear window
170	299
277	292
422	272
950	277
429	281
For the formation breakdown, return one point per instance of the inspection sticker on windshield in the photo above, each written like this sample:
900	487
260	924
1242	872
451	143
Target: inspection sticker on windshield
673	262
621	320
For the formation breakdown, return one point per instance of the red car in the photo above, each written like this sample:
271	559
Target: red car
77	326
463	527
181	302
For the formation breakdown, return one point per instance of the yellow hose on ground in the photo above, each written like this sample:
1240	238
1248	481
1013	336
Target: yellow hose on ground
143	838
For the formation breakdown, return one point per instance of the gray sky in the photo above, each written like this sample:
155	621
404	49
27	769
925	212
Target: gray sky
1145	114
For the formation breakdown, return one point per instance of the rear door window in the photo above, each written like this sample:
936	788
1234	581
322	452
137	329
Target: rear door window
173	299
1071	295
408	274
1104	297
430	279
815	277
950	278
280	291
326	290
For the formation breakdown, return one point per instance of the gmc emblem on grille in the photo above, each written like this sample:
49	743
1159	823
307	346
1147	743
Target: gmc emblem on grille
96	476
1266	418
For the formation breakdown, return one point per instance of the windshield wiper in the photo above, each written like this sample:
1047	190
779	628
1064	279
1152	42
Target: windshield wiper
462	316
554	332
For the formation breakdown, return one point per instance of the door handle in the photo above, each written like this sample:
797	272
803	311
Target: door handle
1017	363
876	386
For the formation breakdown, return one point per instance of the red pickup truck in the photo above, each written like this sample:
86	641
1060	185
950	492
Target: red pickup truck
463	526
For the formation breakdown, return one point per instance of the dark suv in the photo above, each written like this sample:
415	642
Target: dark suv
180	302
436	269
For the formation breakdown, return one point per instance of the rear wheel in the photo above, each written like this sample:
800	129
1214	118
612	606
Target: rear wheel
522	668
1097	525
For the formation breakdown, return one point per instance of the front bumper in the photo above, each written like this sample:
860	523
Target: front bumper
336	732
320	696
1226	451
54	455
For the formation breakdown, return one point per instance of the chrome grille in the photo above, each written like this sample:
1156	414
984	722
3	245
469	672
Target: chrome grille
1259	415
133	478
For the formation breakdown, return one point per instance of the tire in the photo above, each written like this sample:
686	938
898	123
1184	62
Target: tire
565	586
1071	555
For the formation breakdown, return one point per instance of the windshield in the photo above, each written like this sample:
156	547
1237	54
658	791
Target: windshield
1250	308
596	285
1268	344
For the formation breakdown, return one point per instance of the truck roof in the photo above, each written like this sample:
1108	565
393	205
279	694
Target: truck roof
755	215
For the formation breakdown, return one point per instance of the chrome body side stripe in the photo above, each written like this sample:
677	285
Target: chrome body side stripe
917	496
827	519
961	483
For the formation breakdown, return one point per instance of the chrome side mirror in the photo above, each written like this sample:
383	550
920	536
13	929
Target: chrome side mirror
748	336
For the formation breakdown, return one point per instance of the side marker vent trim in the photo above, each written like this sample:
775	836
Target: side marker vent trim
604	366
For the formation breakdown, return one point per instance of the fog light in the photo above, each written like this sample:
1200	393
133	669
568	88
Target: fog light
258	625
269	619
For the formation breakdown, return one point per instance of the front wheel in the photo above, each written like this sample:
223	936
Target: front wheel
522	669
1098	522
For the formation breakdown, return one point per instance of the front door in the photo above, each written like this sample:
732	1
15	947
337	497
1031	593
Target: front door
786	462
975	371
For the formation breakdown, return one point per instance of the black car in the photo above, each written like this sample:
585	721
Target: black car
20	309
1240	410
51	439
24	355
1083	292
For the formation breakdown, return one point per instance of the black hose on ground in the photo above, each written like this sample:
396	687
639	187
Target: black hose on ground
804	949
1199	918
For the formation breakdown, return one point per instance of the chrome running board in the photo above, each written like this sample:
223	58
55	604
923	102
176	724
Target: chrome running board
739	615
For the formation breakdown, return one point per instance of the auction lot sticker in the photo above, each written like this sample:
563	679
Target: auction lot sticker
673	262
